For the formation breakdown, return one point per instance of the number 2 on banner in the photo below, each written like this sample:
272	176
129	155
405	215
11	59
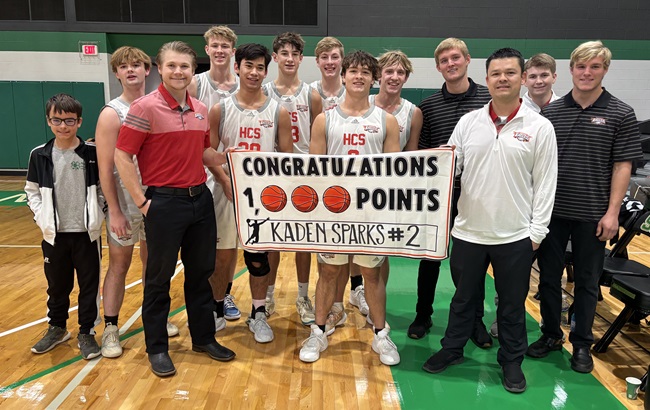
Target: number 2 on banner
253	146
249	193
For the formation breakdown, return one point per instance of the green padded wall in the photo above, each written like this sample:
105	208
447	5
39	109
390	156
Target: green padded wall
9	153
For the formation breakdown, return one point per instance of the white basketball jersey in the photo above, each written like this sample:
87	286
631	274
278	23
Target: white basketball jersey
403	114
127	205
347	135
255	130
208	92
328	102
299	107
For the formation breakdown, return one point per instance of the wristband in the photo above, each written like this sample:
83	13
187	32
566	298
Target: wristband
144	203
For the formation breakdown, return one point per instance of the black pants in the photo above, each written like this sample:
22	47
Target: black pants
73	251
511	264
173	223
588	254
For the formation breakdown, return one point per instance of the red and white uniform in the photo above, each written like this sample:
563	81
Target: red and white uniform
328	102
403	114
347	135
299	107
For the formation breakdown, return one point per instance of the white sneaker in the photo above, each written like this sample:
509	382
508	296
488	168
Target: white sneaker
219	322
387	350
358	299
305	311
172	329
260	328
111	342
313	345
334	319
270	306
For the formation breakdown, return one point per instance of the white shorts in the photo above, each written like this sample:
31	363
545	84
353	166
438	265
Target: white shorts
366	261
224	214
136	233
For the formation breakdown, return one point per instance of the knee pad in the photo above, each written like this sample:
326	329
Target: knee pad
260	258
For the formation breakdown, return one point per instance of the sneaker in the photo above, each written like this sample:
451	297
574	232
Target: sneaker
53	336
88	346
230	311
260	328
172	329
420	326
480	336
494	329
305	311
269	306
386	349
441	360
358	299
313	345
581	361
334	319
219	322
543	346
514	380
111	342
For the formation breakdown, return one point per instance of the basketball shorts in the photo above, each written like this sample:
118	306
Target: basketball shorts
366	261
225	216
135	234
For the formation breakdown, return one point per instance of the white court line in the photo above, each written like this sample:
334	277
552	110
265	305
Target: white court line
76	381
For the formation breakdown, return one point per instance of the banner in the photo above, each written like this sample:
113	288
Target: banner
396	204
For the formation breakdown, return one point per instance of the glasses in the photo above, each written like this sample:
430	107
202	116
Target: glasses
68	121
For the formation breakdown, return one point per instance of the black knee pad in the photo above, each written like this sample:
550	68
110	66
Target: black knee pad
261	258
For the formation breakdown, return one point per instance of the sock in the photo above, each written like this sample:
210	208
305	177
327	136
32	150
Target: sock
303	290
378	330
111	320
258	306
337	307
218	307
321	327
229	288
355	282
269	291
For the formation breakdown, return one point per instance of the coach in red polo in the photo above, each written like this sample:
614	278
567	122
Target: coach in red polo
169	133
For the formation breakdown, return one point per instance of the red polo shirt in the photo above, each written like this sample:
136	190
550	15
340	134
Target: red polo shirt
168	140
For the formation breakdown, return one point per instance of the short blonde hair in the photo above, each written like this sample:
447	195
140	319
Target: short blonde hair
589	50
128	54
221	31
328	44
448	44
393	57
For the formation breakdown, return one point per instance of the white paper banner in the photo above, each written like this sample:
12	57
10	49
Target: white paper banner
389	204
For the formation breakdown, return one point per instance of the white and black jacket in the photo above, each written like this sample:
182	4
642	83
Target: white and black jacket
40	190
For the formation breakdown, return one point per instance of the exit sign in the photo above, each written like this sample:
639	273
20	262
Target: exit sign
90	50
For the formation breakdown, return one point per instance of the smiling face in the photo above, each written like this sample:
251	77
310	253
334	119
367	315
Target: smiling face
452	64
63	132
504	79
176	70
358	79
539	81
288	59
220	50
588	75
251	73
329	63
392	79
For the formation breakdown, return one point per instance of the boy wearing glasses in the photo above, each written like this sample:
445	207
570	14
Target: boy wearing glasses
63	193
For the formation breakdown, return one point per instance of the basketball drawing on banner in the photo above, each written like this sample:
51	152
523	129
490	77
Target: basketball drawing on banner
304	198
273	198
336	199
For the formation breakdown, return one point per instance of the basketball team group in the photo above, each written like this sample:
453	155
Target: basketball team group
157	165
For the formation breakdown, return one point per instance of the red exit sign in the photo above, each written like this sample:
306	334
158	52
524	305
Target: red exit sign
90	50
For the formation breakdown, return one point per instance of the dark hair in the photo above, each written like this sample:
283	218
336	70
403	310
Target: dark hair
252	51
505	53
179	47
63	103
363	59
290	38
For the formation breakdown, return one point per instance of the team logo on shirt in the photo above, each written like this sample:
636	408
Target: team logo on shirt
522	136
266	123
373	129
199	116
302	107
598	121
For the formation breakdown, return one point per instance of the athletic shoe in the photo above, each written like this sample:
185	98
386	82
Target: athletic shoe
386	349
260	328
219	322
581	361
480	336
88	346
172	329
230	311
334	319
53	336
305	311
494	329
358	299
543	346
313	345
514	380
441	360
111	342
269	306
420	326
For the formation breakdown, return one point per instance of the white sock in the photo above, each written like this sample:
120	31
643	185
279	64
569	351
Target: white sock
337	307
269	291
303	290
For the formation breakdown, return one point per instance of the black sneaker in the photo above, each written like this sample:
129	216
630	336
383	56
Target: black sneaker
480	336
420	326
581	361
513	378
543	346
53	336
88	346
441	360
